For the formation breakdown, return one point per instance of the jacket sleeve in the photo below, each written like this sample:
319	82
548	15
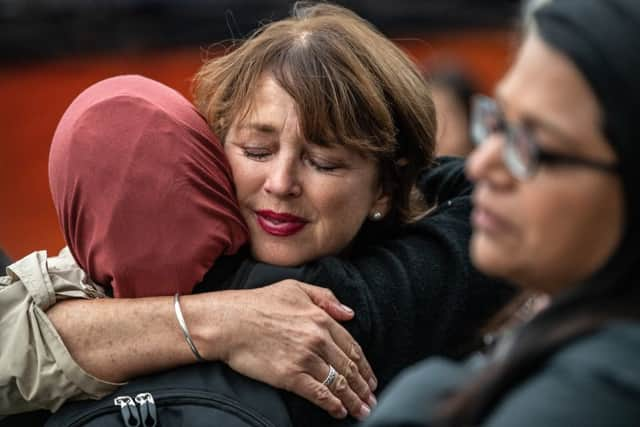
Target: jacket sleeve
593	382
36	370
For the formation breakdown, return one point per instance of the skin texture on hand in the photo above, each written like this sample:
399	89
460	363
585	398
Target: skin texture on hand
283	335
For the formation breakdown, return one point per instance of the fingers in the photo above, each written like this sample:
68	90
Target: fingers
343	391
336	383
348	385
326	300
314	391
355	365
347	356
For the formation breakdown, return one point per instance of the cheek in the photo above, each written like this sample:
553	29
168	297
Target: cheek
580	229
342	207
247	177
565	231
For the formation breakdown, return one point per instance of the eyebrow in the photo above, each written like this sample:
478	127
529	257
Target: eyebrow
261	127
533	121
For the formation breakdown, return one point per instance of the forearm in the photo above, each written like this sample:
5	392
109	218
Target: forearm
119	339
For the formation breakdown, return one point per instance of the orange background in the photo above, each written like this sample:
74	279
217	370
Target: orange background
34	96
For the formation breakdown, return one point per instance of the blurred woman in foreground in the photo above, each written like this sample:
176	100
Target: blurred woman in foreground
555	210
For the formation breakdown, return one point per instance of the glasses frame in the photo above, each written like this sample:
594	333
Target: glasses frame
485	107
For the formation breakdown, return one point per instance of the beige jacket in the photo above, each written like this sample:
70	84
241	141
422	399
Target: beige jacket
36	369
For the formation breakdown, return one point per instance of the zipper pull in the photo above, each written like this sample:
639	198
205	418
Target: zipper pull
129	410
147	409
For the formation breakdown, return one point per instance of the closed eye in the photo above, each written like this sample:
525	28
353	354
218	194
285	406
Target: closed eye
321	165
257	154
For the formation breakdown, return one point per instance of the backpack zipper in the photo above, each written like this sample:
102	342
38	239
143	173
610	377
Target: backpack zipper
128	410
147	409
169	398
131	415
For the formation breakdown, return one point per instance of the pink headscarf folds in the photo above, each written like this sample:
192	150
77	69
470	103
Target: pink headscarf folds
142	188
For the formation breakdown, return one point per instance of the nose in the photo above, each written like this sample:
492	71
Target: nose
283	178
485	163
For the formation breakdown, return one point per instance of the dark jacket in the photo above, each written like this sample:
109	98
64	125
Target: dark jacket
5	261
413	288
594	381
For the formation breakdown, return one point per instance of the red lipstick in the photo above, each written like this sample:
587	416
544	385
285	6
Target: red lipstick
279	224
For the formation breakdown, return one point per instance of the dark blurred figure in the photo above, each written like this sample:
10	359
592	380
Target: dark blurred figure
452	89
4	262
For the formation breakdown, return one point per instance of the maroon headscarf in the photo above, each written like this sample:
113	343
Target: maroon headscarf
142	188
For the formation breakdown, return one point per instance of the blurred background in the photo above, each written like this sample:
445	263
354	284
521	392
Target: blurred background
50	50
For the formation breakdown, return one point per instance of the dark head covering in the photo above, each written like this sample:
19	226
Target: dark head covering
142	188
602	39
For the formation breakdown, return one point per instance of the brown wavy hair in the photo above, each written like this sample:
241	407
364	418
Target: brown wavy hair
352	86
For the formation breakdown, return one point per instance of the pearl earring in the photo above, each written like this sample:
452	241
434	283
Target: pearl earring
376	216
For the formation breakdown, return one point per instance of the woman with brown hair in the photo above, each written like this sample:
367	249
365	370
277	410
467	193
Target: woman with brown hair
556	210
328	129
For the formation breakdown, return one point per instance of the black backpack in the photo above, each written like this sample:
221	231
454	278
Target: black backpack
206	394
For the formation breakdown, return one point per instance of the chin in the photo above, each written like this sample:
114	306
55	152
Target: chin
279	258
488	258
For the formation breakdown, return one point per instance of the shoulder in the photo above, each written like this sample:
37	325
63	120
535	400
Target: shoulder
611	357
448	192
595	381
413	396
443	180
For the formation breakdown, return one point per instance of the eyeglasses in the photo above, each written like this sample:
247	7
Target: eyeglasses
521	153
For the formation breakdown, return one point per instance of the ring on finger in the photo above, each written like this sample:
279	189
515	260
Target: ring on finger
331	376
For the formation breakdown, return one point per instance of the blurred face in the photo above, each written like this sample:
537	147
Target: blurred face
453	136
558	226
300	200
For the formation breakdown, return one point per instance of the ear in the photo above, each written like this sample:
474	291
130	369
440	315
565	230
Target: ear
381	206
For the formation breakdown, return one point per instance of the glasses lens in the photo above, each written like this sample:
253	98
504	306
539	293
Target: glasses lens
484	118
519	154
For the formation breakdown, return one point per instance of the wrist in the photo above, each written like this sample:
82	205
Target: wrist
185	329
205	317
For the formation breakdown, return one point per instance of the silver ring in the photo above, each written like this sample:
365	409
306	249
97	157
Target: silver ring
331	376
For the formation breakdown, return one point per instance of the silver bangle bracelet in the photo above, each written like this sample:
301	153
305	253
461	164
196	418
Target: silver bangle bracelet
183	327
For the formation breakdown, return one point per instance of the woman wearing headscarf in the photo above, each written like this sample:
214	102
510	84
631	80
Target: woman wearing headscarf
145	199
142	189
556	210
327	126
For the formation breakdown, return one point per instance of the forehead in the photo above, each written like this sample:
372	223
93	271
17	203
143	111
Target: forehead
545	85
270	104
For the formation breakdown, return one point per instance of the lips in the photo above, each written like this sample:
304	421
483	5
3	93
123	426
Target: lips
485	220
279	223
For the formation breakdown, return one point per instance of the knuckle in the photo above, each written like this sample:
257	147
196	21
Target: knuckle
316	341
293	383
356	352
290	379
322	395
327	293
306	358
319	316
341	385
350	369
